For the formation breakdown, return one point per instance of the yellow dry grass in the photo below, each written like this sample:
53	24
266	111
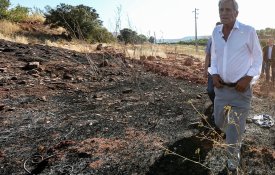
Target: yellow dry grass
9	31
75	45
161	50
8	28
36	17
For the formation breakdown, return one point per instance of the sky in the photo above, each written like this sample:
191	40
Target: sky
167	19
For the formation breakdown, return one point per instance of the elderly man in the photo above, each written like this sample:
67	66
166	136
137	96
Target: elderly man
236	62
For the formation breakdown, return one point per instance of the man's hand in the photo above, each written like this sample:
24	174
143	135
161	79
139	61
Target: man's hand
243	83
217	81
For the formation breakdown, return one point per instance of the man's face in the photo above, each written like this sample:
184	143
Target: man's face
227	13
270	42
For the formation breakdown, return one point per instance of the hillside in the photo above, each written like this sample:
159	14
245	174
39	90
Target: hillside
67	112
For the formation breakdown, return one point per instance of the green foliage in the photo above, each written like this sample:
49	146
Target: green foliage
100	34
141	39
201	42
80	21
152	39
15	14
129	36
4	5
18	14
266	33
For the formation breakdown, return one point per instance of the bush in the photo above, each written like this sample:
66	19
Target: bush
100	35
80	21
201	42
18	14
129	36
4	5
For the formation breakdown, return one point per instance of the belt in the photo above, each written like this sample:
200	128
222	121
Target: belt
229	84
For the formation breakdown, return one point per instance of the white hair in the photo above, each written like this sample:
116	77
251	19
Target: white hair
235	4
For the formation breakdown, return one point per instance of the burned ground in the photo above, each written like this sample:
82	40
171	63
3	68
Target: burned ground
64	112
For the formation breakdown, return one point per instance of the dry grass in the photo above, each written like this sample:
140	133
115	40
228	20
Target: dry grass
21	39
135	51
9	31
183	49
17	38
36	17
75	45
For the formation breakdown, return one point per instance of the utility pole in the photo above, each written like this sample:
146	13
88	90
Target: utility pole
196	36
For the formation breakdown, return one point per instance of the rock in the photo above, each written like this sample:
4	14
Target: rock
99	47
2	106
104	63
32	72
67	76
14	78
31	65
10	49
142	57
3	69
189	61
43	98
127	90
151	58
22	82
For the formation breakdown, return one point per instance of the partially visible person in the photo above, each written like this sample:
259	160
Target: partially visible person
269	60
236	62
207	64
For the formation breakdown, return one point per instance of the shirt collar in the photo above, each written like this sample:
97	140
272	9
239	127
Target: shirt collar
236	26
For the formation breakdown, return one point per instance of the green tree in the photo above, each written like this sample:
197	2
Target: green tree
127	36
18	14
141	39
80	21
4	5
100	34
152	39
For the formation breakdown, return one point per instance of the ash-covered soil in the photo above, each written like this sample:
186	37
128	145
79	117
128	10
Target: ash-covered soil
64	112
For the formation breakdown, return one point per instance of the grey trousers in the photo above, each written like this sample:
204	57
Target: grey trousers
232	122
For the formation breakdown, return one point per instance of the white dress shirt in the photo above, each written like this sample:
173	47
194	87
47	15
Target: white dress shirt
269	52
237	57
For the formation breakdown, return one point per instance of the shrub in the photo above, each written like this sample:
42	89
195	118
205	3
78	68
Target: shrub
4	5
80	21
129	36
18	14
